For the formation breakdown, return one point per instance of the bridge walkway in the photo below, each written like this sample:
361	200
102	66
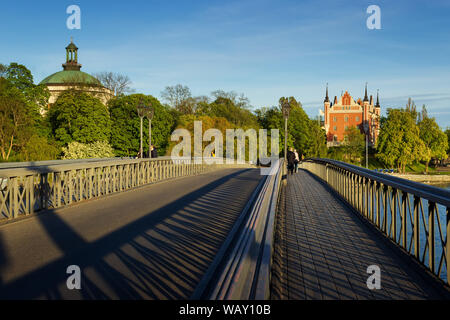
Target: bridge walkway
322	251
153	242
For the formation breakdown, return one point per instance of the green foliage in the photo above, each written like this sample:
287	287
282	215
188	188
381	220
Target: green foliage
447	132
234	113
77	116
21	78
3	69
16	120
354	145
38	148
304	134
399	143
436	141
125	134
221	124
97	149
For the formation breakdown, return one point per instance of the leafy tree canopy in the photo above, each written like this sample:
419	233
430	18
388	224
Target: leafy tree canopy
125	135
399	143
77	116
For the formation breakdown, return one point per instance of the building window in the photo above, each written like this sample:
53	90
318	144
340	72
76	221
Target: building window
335	128
334	119
346	118
346	127
357	118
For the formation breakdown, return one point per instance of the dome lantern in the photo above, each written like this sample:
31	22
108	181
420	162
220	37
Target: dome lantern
72	57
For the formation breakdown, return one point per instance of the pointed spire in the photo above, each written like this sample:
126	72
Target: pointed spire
326	96
366	98
378	99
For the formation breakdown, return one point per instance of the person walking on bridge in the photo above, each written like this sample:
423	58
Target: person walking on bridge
153	152
291	160
296	161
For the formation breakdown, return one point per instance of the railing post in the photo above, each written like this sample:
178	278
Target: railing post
378	204
416	230
385	204
394	214
431	248
404	220
447	249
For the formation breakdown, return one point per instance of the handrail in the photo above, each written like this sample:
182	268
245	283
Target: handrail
423	190
247	262
26	190
408	213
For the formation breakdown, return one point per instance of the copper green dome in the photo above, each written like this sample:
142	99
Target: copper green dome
71	74
71	77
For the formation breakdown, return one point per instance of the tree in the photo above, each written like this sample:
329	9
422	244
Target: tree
16	121
435	140
304	134
179	97
77	116
235	114
117	83
399	143
21	78
354	144
3	69
219	123
317	147
239	100
38	148
125	135
447	132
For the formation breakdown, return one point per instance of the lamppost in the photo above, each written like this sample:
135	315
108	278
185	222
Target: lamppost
286	108
366	131
150	113
141	110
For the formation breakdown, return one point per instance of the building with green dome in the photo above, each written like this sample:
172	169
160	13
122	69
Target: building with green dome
72	77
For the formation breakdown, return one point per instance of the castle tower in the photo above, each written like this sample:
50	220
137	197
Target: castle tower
366	107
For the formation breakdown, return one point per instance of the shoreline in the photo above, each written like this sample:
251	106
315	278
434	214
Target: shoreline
424	178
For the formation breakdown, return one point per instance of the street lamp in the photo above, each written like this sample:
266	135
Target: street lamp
286	109
150	113
141	110
366	131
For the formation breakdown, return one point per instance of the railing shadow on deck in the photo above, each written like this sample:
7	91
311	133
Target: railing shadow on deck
141	275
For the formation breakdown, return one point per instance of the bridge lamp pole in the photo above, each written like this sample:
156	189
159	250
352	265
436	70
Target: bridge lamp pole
366	130
150	114
141	109
286	109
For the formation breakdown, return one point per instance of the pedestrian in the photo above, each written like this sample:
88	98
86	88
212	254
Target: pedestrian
296	161
154	152
291	160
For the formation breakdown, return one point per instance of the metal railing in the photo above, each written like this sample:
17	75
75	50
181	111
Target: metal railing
243	266
31	188
413	215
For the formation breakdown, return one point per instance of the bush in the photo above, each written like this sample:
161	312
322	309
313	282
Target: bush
98	149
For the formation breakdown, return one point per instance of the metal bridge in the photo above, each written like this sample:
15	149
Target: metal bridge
163	229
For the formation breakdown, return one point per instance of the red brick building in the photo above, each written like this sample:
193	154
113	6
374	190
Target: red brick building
346	112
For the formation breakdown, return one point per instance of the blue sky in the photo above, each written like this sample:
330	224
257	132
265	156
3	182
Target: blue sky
264	49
